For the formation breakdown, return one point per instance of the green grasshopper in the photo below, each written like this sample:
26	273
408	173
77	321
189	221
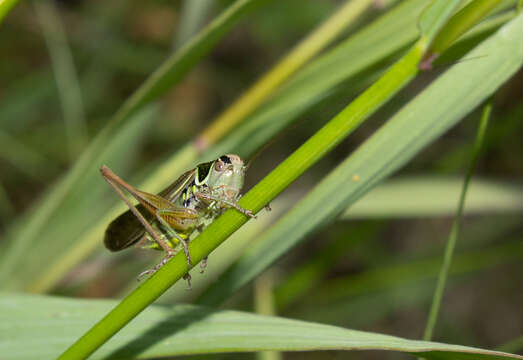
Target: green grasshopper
176	215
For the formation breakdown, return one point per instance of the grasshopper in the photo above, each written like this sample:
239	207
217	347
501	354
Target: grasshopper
176	215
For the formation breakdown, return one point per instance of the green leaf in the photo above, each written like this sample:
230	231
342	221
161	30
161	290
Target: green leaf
464	19
39	327
426	196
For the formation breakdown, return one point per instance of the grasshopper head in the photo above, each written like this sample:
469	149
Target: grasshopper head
226	177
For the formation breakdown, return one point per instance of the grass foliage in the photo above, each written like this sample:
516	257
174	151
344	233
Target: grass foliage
320	255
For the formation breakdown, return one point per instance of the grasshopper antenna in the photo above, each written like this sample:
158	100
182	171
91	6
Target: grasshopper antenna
272	141
259	152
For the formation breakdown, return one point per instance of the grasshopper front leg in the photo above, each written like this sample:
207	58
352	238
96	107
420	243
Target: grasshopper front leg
208	197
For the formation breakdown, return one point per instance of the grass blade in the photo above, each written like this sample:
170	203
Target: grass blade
430	196
454	232
65	76
164	331
193	16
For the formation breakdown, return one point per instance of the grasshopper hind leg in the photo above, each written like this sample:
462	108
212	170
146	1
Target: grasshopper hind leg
186	277
173	234
166	245
156	267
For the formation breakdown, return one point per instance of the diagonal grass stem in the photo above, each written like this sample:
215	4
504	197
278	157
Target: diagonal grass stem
454	232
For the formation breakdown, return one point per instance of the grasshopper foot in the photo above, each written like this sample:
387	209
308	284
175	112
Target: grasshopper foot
203	265
187	277
187	254
249	213
157	267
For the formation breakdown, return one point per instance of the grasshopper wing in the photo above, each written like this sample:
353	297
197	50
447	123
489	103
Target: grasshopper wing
126	230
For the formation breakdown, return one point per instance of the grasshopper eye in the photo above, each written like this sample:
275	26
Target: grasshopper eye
219	166
226	159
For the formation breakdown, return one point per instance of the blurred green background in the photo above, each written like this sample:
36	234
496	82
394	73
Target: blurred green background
67	66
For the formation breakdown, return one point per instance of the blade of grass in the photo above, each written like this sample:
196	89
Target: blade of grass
288	171
467	17
167	331
429	196
463	20
415	126
65	76
454	232
158	83
193	15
